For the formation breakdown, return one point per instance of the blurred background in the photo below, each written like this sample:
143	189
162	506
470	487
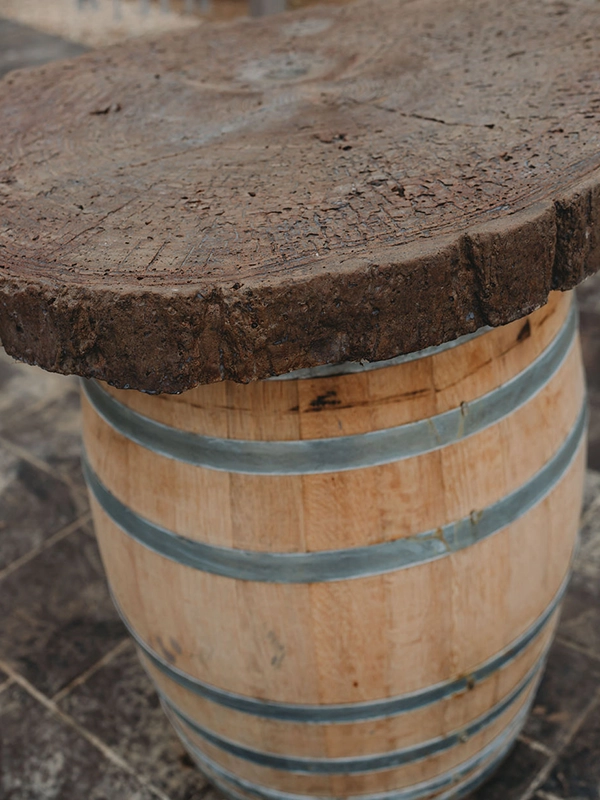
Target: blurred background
93	23
78	716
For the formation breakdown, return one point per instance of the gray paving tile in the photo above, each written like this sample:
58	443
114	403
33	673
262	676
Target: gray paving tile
43	758
580	622
588	295
51	433
569	681
589	327
594	428
581	616
33	506
119	705
57	617
587	559
591	490
213	794
576	775
23	387
513	776
21	46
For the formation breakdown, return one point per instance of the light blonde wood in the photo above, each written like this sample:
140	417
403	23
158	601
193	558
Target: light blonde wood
299	642
366	638
362	401
371	736
346	509
348	785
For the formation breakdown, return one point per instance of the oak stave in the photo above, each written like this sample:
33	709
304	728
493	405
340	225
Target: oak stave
255	594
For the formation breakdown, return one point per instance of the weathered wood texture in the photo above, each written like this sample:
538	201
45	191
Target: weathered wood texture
335	184
377	635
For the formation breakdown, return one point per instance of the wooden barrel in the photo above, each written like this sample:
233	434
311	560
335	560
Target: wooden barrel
345	582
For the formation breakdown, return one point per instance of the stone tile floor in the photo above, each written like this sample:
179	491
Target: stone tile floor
78	716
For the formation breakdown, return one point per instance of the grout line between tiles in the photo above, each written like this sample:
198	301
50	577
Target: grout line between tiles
84	676
35	408
592	508
23	453
27	456
544	773
537	746
577	647
51	540
106	751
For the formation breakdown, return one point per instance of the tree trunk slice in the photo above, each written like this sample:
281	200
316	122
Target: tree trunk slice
336	184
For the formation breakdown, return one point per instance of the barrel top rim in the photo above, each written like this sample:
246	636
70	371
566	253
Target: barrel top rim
241	200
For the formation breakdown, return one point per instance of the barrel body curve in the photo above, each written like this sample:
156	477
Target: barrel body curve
345	582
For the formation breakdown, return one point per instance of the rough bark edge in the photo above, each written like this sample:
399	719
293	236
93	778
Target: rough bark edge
400	300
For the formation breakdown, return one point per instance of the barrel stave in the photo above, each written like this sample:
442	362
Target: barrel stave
323	618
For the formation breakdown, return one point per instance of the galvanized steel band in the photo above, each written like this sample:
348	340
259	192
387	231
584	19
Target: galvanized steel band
360	764
353	367
484	762
341	453
356	562
339	713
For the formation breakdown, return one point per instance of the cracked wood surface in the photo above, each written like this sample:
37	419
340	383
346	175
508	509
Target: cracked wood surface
327	185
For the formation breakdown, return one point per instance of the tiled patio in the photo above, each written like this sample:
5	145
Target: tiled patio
78	716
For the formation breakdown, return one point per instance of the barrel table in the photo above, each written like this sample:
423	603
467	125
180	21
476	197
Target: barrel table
315	271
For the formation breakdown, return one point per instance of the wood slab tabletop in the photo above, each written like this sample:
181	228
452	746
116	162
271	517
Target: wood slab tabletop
335	184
